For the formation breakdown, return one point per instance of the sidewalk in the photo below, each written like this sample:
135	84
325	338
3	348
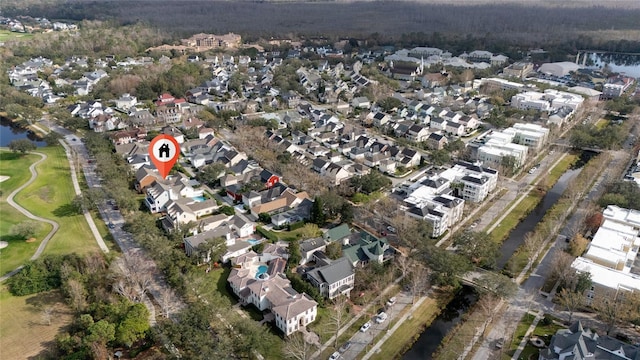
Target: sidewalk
364	310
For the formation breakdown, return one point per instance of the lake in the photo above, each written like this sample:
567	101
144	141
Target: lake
628	64
9	132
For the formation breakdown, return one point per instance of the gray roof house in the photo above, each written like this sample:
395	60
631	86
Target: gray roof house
577	343
333	279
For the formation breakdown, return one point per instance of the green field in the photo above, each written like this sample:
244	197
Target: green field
24	333
50	196
6	35
18	251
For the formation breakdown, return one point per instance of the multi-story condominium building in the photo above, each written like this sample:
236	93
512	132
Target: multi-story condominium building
612	257
477	181
498	145
531	135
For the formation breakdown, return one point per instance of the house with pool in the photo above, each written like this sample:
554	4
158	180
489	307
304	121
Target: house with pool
259	279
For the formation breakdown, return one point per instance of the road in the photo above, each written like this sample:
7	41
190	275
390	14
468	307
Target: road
28	214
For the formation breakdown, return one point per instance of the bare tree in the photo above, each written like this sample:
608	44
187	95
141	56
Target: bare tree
403	263
132	277
487	304
570	300
77	294
419	280
611	308
168	301
338	317
561	267
532	242
47	313
296	348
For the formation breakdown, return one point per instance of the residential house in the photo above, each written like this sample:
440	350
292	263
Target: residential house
368	248
578	343
340	234
271	291
436	141
333	279
417	133
309	247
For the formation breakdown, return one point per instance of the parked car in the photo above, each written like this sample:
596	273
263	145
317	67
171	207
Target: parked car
334	356
391	301
381	317
345	347
499	343
111	226
365	326
391	229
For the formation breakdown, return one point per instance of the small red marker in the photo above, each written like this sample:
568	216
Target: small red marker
164	152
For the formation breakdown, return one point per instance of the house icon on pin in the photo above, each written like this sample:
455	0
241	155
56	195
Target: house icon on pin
163	151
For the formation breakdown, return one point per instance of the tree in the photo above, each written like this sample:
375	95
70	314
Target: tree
317	211
610	307
508	164
577	245
212	249
338	317
134	325
389	103
478	247
22	146
209	174
297	348
570	300
446	267
440	157
101	332
52	138
168	301
334	250
418	280
25	230
497	284
561	267
77	294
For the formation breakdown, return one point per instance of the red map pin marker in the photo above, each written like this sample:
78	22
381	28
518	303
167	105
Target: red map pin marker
164	152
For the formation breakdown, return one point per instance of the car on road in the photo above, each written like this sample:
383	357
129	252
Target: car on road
111	226
334	356
345	347
365	326
391	301
382	316
499	343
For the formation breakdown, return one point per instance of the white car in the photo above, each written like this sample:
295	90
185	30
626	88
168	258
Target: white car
391	301
381	317
365	326
391	229
334	356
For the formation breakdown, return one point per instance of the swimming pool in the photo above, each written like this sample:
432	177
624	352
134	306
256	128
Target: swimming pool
253	242
199	198
262	272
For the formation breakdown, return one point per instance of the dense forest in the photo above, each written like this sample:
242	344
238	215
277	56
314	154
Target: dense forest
534	24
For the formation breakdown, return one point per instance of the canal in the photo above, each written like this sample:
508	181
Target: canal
516	236
429	340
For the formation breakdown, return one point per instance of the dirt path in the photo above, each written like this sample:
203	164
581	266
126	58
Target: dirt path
28	214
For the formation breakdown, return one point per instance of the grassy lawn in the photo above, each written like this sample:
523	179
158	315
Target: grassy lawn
50	196
542	331
6	35
554	174
601	124
408	332
18	251
515	216
297	234
25	333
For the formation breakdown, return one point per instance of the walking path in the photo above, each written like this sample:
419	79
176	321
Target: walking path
527	334
28	214
87	215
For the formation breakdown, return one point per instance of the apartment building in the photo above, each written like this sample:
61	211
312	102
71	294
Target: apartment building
612	257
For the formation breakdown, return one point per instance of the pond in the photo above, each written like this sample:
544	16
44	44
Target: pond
10	132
